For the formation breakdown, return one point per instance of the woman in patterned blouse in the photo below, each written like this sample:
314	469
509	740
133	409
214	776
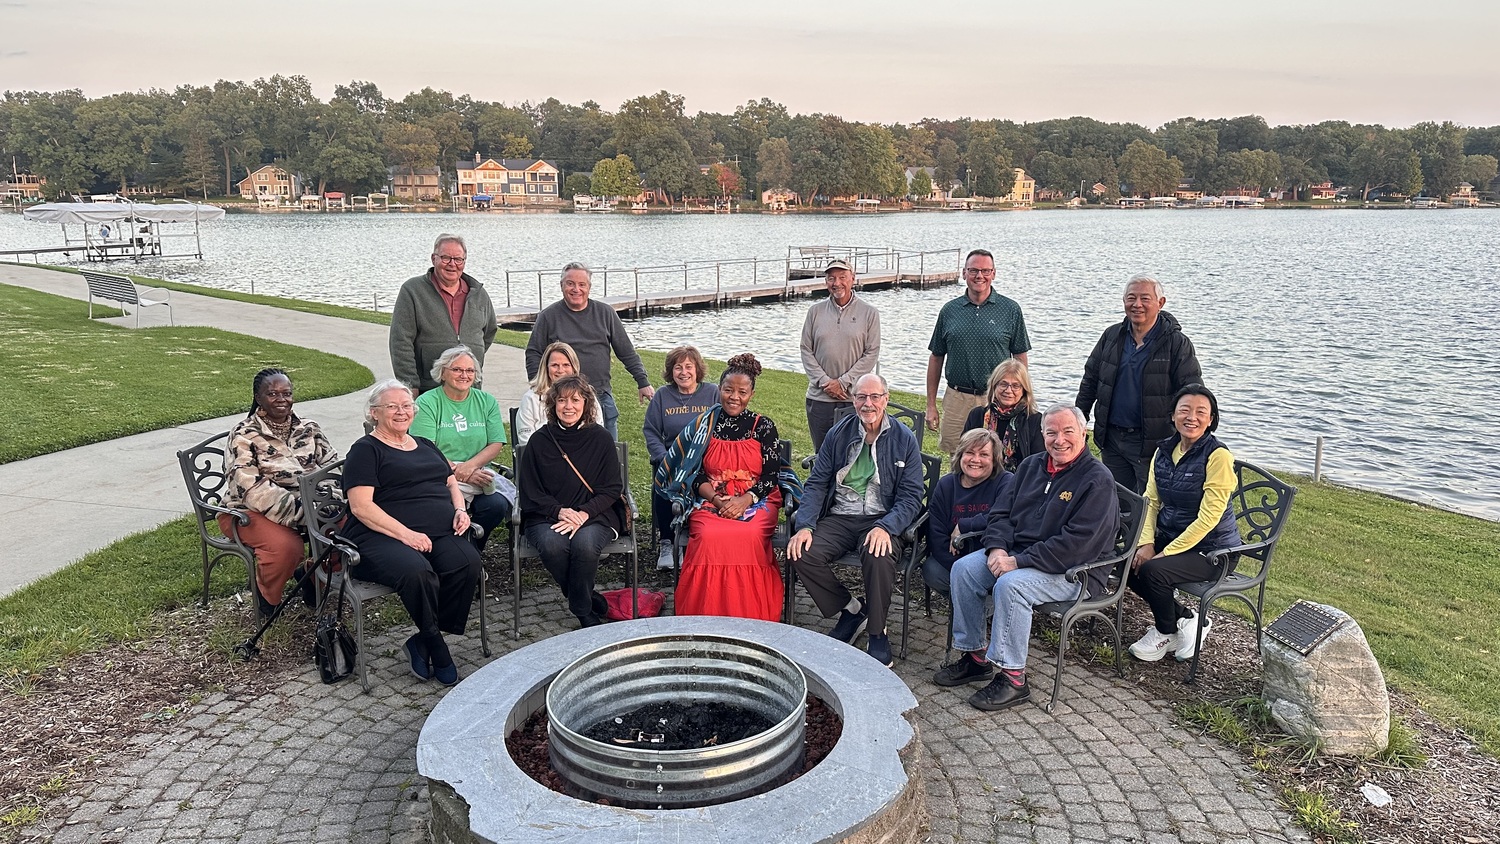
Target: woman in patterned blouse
269	450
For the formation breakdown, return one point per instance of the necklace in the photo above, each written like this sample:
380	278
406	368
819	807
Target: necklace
399	443
281	430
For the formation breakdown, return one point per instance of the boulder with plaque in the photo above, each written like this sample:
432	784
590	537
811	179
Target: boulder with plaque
1322	683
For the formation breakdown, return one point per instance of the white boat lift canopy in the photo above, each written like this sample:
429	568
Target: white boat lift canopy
123	229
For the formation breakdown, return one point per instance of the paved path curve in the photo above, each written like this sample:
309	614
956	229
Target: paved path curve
48	521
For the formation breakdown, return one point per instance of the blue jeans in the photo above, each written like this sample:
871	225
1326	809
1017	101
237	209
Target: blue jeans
611	414
1013	594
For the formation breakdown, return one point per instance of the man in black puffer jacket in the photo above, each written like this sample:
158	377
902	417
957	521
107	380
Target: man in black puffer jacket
1131	376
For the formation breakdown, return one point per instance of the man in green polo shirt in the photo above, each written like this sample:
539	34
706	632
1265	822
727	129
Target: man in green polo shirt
974	334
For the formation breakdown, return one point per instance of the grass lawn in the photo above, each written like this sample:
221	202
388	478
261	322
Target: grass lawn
1417	579
66	381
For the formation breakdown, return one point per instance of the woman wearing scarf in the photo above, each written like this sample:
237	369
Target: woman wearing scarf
726	472
1011	414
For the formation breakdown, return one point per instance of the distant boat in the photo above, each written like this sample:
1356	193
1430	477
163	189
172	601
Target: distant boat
584	202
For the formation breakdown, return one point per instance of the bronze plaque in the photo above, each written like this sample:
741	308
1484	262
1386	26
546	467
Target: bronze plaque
1303	626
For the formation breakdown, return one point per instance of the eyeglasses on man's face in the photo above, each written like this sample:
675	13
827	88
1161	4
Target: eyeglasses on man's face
450	259
869	398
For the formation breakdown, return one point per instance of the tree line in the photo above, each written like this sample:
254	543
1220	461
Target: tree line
201	140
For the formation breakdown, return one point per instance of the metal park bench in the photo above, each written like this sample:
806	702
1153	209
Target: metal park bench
118	288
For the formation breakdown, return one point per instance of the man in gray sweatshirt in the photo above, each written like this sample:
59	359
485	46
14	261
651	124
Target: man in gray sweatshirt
840	344
593	329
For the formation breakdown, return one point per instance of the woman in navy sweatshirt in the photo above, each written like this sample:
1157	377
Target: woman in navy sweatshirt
961	502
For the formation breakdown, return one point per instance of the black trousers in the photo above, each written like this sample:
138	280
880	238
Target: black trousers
834	537
436	587
1156	582
1122	456
573	561
820	418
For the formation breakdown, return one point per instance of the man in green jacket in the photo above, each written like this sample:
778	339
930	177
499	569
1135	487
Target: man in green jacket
436	310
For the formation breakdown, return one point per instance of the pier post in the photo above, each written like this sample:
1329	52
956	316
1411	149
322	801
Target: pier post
507	288
539	291
637	272
718	296
922	270
1318	462
684	269
376	303
786	278
606	283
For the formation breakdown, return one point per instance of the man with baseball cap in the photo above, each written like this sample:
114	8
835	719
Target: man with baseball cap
840	343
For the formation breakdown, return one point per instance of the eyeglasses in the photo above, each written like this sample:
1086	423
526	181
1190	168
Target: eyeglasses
450	259
1009	387
866	398
406	407
977	271
465	371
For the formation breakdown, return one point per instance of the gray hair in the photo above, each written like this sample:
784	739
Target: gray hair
448	357
377	392
575	265
449	238
1064	407
1147	278
884	387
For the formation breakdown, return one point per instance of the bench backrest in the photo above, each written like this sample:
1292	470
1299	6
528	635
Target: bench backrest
1261	504
117	288
323	505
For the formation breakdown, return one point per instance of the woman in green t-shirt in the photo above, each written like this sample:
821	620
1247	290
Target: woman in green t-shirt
465	424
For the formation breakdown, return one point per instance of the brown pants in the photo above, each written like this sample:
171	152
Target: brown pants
956	407
278	550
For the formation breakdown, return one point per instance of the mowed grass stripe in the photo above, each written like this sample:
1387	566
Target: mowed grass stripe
67	381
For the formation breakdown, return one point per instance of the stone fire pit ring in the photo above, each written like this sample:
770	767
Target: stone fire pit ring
866	787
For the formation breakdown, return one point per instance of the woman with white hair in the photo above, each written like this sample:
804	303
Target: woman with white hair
409	522
464	423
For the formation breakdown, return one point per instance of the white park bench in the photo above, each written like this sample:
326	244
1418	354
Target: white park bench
117	288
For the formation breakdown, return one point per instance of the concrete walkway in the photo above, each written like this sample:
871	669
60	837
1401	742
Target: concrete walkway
133	484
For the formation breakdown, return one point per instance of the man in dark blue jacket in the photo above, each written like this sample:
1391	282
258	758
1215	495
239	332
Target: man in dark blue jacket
865	490
1062	510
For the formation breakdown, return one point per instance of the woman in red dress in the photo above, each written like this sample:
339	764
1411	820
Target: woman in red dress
725	467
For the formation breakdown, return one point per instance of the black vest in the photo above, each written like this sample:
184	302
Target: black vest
1179	486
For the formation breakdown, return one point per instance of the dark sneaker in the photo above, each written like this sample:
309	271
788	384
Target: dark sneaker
880	649
599	605
1000	694
421	660
963	670
850	625
446	674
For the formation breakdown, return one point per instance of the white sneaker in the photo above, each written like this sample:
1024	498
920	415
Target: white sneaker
1154	645
1186	629
664	559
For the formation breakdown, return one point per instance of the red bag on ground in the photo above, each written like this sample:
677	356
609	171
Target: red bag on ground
650	603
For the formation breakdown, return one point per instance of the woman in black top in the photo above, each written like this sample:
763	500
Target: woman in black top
570	488
409	522
1011	413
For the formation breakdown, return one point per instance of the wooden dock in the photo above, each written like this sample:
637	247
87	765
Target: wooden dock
801	274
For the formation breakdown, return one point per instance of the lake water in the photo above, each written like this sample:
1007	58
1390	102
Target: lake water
1375	330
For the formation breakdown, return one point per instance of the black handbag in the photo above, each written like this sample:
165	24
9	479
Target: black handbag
334	649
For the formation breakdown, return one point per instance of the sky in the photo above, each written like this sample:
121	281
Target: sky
1290	61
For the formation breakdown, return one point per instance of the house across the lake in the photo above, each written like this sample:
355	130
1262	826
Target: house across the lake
508	181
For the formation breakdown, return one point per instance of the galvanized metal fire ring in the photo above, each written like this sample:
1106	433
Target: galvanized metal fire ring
866	783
